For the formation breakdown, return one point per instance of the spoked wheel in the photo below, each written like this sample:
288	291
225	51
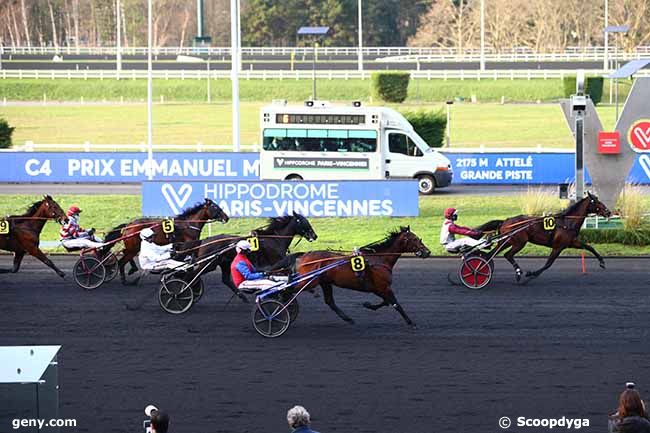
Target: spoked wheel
175	296
475	272
89	273
293	307
197	290
111	267
270	318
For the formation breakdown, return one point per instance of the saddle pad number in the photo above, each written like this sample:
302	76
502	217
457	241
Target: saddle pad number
358	263
4	227
255	243
549	223
168	226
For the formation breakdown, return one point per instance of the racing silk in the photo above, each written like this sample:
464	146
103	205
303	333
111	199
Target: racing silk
150	254
71	229
449	230
241	269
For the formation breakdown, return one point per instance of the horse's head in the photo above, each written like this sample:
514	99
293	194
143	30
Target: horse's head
304	228
214	212
49	208
597	207
409	242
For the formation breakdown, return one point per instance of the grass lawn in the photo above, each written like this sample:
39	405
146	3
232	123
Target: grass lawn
106	211
493	125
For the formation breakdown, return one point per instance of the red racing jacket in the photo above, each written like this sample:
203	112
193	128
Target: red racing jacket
450	229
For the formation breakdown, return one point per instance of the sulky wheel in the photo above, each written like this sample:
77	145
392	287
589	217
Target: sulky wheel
89	273
475	272
197	289
175	296
110	263
293	307
270	318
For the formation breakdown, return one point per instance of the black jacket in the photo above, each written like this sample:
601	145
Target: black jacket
631	424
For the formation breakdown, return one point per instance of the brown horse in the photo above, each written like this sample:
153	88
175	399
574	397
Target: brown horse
380	258
25	231
557	232
187	227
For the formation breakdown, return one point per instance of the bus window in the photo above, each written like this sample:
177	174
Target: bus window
319	140
401	143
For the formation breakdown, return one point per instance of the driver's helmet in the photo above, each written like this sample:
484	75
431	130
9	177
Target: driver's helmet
146	233
451	213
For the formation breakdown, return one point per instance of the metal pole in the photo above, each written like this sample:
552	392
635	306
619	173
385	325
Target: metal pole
360	37
448	125
616	79
580	137
209	90
482	35
239	55
199	18
313	72
234	74
119	37
606	54
149	92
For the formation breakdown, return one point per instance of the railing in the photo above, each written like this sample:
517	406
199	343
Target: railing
30	146
132	74
524	149
512	54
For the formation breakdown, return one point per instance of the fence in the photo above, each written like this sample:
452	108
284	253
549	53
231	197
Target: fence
132	74
30	146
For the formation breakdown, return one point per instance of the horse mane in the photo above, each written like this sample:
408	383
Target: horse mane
34	207
572	208
190	210
384	243
276	223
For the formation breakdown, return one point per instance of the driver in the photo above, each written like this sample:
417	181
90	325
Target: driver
450	229
153	256
74	236
244	275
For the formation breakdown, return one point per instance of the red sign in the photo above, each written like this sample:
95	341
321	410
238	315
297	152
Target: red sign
609	142
639	135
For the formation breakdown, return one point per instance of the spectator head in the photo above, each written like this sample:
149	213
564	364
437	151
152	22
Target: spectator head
630	404
159	421
298	417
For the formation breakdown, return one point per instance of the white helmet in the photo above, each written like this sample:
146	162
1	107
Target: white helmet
243	245
146	233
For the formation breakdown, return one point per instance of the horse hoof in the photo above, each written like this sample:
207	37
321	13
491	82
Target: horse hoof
413	326
368	305
61	274
132	271
602	265
350	321
518	276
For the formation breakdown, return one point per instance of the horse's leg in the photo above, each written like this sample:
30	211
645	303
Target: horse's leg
510	257
390	298
375	307
328	297
18	259
127	256
227	280
577	243
549	262
33	250
134	267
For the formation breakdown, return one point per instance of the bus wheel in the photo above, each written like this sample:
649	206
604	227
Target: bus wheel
294	177
426	184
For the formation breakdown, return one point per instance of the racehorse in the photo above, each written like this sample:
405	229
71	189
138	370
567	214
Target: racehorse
274	241
557	232
380	258
187	227
25	230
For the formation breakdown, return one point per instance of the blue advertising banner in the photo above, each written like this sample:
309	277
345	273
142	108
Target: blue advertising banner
120	167
270	199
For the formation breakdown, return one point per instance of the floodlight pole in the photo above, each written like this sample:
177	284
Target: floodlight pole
234	72
606	53
313	72
580	137
118	45
360	37
149	92
482	63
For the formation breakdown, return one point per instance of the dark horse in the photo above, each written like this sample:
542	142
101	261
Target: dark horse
380	258
187	227
557	232
25	231
274	241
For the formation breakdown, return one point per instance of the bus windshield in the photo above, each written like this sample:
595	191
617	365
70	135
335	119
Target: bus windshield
319	140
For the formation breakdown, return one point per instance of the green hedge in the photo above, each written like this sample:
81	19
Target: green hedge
390	86
593	87
616	236
5	134
429	124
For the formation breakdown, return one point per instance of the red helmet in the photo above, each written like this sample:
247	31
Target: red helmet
73	210
449	212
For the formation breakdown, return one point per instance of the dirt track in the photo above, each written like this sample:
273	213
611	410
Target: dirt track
562	345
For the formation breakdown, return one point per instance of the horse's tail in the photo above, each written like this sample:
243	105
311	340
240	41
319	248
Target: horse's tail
113	235
490	226
288	263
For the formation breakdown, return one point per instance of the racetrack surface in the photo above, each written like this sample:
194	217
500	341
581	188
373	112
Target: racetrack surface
563	345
